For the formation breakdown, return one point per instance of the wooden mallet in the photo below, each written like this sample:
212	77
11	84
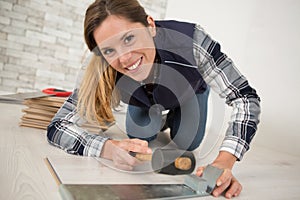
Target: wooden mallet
169	161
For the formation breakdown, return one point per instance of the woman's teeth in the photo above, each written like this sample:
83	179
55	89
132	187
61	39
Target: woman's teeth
135	65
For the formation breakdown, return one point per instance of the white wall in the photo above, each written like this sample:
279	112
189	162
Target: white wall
262	37
42	44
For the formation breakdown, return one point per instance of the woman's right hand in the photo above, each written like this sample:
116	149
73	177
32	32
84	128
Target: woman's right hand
118	152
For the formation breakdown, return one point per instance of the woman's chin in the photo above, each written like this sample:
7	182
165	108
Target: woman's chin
140	74
139	77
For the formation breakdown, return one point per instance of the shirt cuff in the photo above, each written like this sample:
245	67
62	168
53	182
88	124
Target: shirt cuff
94	146
234	145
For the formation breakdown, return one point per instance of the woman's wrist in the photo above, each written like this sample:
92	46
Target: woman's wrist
107	149
225	160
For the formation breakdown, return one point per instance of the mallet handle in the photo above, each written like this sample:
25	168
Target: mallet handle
141	157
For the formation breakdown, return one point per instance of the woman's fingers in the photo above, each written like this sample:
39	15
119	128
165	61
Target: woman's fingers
135	145
122	158
138	141
226	176
200	170
225	183
234	189
221	188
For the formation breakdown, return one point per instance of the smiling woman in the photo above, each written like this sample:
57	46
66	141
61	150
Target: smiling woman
127	47
154	66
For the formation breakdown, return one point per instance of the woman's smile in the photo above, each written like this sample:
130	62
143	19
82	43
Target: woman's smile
135	66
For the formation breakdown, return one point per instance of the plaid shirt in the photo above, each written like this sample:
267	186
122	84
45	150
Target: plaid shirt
219	73
66	132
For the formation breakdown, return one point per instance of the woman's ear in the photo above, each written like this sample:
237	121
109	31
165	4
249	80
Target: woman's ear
151	26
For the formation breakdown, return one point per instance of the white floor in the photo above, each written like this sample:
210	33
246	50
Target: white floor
264	173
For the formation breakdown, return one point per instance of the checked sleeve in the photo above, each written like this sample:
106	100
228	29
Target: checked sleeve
223	77
65	131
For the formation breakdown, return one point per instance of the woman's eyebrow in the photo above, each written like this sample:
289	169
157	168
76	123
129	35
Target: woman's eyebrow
121	39
104	48
125	34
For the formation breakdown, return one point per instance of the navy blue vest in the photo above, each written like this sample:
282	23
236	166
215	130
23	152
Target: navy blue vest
177	76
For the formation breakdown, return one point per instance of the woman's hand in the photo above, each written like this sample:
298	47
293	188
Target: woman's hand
117	151
226	182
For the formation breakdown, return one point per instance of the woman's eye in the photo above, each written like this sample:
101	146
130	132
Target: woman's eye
108	52
129	39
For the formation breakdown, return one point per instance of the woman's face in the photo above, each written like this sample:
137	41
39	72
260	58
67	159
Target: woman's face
128	47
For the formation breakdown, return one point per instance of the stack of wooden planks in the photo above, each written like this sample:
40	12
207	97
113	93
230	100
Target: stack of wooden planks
40	111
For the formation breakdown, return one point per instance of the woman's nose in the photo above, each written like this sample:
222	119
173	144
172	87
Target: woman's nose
125	57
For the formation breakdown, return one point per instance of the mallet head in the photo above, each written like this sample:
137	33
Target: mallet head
173	161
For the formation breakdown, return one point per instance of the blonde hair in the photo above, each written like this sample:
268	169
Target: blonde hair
97	94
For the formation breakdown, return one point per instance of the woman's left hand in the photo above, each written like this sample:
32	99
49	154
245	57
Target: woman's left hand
226	182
